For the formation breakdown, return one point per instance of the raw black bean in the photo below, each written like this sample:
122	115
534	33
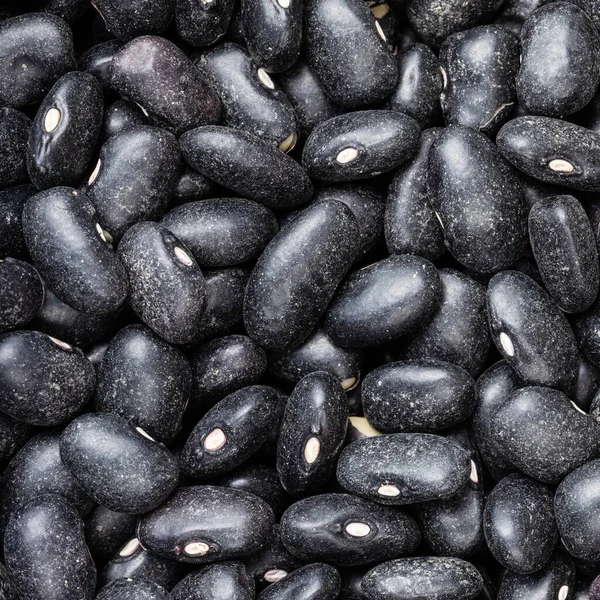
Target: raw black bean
127	589
145	380
172	91
12	201
312	433
137	17
576	505
222	581
306	95
13	434
544	434
250	99
120	467
519	525
21	293
147	158
69	249
97	60
191	186
230	432
429	577
513	13
119	116
60	380
106	531
317	581
45	552
65	131
347	531
202	24
553	151
14	134
397	468
318	353
531	332
411	226
559	70
383	302
205	524
585	327
70	10
556	580
37	470
222	232
273	32
360	145
478	200
586	384
492	389
458	331
419	85
479	67
224	365
36	49
297	274
565	251
167	289
434	23
347	51
417	396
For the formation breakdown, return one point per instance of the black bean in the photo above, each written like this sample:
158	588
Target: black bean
12	201
13	434
191	186
586	384
120	467
97	60
202	24
127	589
316	581
222	581
14	134
119	116
106	531
205	524
21	293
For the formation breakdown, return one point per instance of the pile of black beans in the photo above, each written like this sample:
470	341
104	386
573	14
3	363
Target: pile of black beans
299	300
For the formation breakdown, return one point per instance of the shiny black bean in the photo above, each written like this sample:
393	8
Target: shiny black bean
316	581
119	116
222	581
191	186
21	293
127	589
13	434
106	531
587	384
12	201
14	134
202	24
97	60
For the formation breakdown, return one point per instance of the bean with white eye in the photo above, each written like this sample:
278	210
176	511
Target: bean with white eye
316	581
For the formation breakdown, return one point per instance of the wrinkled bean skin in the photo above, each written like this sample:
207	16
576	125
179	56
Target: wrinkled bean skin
480	66
106	531
125	589
21	293
531	332
138	17
307	97
402	460
60	378
533	144
202	24
458	332
247	165
273	32
491	389
316	581
546	583
82	269
15	128
146	381
417	396
559	70
563	241
366	75
45	552
519	525
154	73
167	288
465	167
222	232
12	201
249	103
244	419
312	433
148	159
59	152
429	577
411	226
97	60
44	44
383	302
567	440
118	466
419	85
382	139
576	506
222	581
316	528
296	275
230	522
